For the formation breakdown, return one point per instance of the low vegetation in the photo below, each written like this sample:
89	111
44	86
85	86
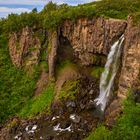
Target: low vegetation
39	104
16	87
127	127
69	90
97	71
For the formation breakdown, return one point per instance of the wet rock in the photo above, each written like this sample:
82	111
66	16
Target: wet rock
82	106
112	112
91	92
71	104
75	118
53	46
90	105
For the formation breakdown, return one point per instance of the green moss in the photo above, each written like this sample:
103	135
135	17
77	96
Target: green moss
39	104
69	90
43	59
97	71
13	123
66	63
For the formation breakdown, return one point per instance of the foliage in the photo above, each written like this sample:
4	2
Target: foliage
65	12
54	15
16	87
101	133
127	127
39	103
16	22
50	7
71	87
57	14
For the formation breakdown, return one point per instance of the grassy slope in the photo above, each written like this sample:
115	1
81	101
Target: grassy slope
39	104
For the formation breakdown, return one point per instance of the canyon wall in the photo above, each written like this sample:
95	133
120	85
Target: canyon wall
90	40
131	59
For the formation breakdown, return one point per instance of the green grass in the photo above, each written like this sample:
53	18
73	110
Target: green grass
39	104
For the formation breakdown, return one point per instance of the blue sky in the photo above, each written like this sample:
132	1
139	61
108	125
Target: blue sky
18	6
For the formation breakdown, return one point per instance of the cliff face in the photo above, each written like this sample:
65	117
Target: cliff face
131	59
90	38
24	48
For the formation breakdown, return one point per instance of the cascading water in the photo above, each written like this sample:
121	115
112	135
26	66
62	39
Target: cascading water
107	77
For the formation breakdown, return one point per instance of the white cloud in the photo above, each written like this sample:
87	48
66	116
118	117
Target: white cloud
41	2
23	2
4	11
13	10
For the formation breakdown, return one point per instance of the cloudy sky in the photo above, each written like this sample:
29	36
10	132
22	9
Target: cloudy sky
18	6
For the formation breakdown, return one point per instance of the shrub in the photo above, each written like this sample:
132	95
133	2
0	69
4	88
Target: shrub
16	87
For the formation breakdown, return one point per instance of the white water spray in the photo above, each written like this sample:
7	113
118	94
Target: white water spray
107	77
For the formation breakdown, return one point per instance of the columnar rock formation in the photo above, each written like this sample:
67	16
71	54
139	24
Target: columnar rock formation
90	38
52	50
24	48
131	59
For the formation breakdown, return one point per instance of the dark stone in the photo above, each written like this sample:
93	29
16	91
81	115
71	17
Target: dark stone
137	95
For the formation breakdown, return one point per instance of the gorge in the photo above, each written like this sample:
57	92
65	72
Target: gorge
71	73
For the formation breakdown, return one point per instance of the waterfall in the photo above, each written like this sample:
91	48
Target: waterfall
107	77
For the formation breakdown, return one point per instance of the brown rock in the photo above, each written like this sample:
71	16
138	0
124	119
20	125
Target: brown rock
112	113
89	37
131	59
52	49
24	48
